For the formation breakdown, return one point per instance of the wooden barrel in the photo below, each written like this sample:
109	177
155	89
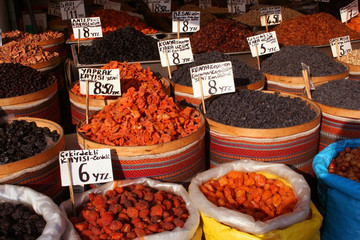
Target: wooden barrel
55	45
186	93
40	104
176	161
295	146
40	172
295	85
338	124
354	70
78	103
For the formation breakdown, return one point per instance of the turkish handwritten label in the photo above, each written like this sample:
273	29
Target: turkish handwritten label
159	6
236	6
101	81
217	78
189	21
178	51
344	46
54	9
349	11
72	9
89	27
263	44
113	5
270	15
86	166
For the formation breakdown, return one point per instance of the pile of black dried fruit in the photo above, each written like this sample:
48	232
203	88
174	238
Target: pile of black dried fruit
18	80
342	93
287	62
243	73
124	44
19	222
21	139
256	109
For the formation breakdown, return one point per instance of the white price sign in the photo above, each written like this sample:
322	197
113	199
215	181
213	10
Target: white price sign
217	78
204	4
89	27
270	16
189	21
236	6
344	46
101	81
349	11
113	5
100	2
86	166
159	6
54	9
263	44
178	51
72	9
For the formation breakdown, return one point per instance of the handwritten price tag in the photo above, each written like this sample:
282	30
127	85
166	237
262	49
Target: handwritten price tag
113	5
159	6
72	9
236	6
204	4
217	78
270	16
263	44
89	27
101	81
189	21
178	51
54	9
344	46
86	166
349	11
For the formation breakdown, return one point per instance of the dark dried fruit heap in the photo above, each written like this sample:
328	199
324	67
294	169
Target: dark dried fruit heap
243	73
287	62
255	109
18	80
342	93
347	164
124	44
18	222
22	139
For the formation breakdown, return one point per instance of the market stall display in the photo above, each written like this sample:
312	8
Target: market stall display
283	69
340	113
263	126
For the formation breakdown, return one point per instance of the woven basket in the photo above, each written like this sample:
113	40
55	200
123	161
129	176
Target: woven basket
40	172
175	161
295	146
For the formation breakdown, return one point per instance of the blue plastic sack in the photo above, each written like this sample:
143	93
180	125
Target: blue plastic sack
339	196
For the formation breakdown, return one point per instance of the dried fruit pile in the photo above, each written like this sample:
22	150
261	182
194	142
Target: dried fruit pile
21	139
131	75
223	35
18	80
352	57
26	37
338	93
251	193
20	222
312	30
347	164
206	14
129	212
141	117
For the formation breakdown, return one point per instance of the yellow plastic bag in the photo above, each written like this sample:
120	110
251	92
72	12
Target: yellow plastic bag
305	230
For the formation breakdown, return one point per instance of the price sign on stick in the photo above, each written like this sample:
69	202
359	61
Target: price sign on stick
342	47
236	6
204	4
178	51
189	21
159	6
263	44
101	81
86	166
100	2
72	9
217	78
54	9
349	11
88	27
270	16
113	5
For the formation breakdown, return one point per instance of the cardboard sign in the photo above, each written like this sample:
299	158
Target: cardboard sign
159	6
72	9
89	27
101	81
86	166
349	11
263	44
344	45
113	5
270	16
189	21
236	6
54	9
178	51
